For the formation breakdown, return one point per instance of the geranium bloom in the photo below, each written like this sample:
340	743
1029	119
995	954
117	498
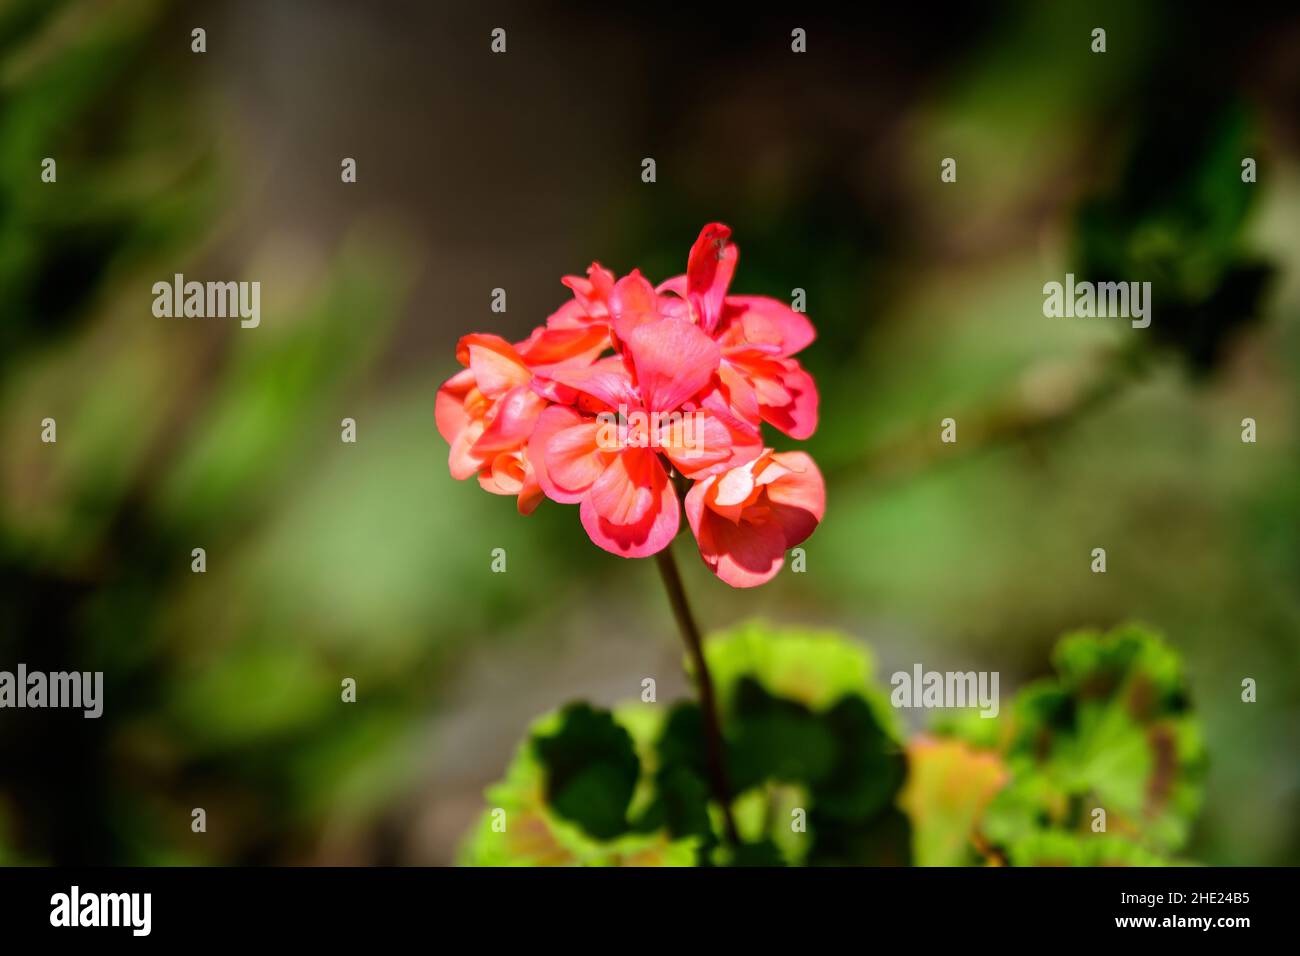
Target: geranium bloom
629	388
747	518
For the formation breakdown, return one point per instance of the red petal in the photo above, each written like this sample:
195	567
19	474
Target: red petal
709	268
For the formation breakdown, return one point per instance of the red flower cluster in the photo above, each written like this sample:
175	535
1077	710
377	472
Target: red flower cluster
628	384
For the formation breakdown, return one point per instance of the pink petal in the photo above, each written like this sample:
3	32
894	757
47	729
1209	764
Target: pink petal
734	490
576	456
673	360
797	417
604	385
628	487
449	406
461	460
484	340
736	487
592	293
672	299
530	494
571	315
696	442
656	529
769	388
510	422
765	321
797	500
503	475
632	303
548	347
744	555
696	505
746	438
574	460
738	393
497	366
511	474
676	285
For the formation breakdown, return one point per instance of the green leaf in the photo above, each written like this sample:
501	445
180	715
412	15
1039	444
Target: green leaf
811	667
868	769
591	770
680	800
774	739
518	828
801	708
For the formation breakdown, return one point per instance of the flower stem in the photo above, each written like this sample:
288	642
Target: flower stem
714	750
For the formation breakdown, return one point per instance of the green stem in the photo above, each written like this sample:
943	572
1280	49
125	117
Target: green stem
714	749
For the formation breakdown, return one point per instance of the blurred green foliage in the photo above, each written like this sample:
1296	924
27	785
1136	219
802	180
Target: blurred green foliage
821	777
1175	219
1113	731
804	737
135	168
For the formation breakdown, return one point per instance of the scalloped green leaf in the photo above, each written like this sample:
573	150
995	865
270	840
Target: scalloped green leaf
591	770
518	828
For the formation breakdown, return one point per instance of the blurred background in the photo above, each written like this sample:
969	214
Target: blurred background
328	560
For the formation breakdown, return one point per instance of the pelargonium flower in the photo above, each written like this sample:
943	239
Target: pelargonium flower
629	389
746	519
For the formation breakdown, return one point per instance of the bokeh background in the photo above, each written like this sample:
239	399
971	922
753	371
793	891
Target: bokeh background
476	171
